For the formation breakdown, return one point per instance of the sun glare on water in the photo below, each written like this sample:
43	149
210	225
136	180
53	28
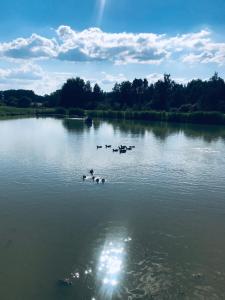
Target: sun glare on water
111	265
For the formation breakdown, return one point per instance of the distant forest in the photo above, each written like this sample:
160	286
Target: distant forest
163	95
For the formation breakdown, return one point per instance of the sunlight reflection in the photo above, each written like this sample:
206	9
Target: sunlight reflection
111	265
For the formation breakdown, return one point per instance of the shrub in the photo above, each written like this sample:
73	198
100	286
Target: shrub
185	108
188	117
60	111
76	112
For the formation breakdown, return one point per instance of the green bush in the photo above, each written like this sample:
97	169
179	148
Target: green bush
60	111
188	117
76	112
185	108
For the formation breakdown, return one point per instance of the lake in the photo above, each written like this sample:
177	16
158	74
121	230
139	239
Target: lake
154	230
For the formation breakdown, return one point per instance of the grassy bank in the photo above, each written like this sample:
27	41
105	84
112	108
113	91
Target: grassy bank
9	111
194	117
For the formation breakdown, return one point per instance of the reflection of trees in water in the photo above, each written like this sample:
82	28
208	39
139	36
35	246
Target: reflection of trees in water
129	127
96	124
76	125
162	130
206	132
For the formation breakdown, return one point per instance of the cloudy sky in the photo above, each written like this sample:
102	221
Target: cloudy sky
42	43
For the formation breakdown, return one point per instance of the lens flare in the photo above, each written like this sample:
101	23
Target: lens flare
101	9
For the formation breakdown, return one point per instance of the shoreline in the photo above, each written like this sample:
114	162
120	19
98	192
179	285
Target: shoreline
198	117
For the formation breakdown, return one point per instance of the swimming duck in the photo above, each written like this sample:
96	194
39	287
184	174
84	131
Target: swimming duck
65	282
123	150
123	147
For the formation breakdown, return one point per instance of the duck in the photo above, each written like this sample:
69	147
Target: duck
93	178
99	147
123	150
122	147
108	146
115	150
65	282
84	177
91	171
97	180
103	180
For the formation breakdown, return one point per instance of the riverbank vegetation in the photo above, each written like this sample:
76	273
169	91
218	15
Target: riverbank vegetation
193	117
216	118
9	111
199	101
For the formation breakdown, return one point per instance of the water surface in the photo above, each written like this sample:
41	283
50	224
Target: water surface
155	230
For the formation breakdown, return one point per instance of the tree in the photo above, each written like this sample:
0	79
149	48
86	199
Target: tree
24	102
139	89
214	94
165	94
73	92
162	93
53	99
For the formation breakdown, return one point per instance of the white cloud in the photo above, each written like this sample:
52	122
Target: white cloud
206	57
154	77
93	44
24	72
31	76
33	47
121	48
109	79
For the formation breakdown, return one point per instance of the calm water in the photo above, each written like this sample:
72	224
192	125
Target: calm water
155	230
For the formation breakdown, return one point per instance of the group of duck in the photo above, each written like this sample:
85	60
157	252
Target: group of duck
120	149
94	178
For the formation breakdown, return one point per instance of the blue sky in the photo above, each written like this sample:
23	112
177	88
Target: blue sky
44	42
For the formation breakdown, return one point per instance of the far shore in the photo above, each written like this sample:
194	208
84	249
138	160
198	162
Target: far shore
198	117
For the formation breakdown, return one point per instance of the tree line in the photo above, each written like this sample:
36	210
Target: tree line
163	95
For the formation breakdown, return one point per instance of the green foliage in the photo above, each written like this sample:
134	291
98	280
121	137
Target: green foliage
61	111
193	117
77	112
24	102
185	108
14	111
8	111
138	95
78	93
20	98
164	100
52	100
